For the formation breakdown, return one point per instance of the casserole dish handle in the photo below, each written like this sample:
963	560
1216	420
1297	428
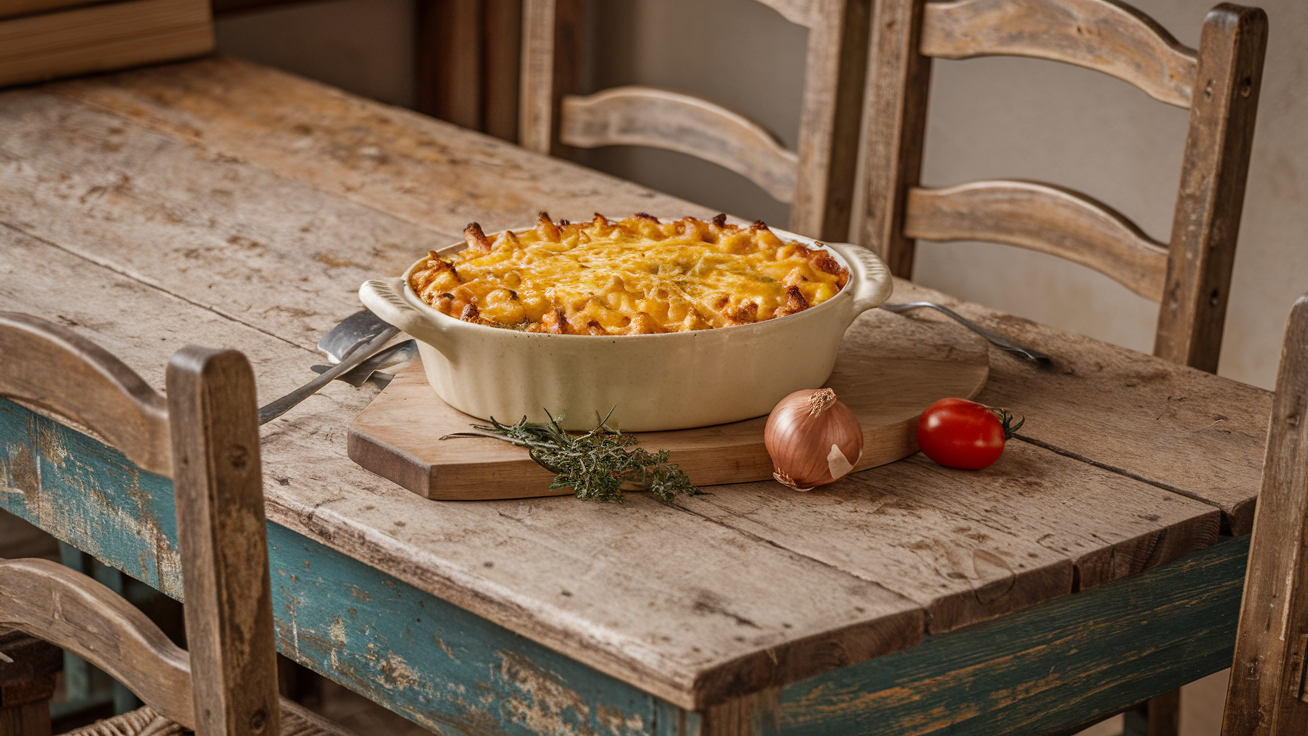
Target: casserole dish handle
874	283
385	298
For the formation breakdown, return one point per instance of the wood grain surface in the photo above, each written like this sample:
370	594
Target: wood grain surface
14	8
552	67
72	376
1103	35
1118	409
218	481
1265	694
74	612
102	37
1043	218
656	118
1043	670
224	203
899	84
1110	37
1211	198
817	178
889	369
449	70
835	72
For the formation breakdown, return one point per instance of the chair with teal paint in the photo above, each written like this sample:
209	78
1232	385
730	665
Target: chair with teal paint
205	436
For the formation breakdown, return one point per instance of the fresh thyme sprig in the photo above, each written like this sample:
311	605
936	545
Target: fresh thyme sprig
597	465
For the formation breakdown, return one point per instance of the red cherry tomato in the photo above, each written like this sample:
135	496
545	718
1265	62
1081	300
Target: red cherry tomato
958	433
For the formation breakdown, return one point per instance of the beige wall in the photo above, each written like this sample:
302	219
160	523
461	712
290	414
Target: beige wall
365	46
989	118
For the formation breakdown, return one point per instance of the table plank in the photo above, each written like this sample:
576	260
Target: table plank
239	240
1172	426
979	544
417	168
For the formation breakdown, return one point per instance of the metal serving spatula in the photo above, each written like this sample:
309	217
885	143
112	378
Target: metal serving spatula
357	338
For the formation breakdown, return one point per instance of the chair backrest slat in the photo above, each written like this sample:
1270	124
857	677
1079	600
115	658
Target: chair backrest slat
1206	223
805	13
1110	37
1044	218
209	433
223	540
642	116
817	178
75	612
1264	697
1219	84
59	370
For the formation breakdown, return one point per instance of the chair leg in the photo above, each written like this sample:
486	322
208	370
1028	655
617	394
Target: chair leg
1157	716
27	682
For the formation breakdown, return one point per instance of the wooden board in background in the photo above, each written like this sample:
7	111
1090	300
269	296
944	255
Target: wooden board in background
101	38
889	369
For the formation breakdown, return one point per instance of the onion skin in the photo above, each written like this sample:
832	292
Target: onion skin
813	439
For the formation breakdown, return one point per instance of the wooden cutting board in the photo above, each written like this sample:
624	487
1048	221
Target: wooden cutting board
889	369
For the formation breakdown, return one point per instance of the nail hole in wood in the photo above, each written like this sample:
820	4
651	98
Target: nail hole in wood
1212	298
1208	90
1246	87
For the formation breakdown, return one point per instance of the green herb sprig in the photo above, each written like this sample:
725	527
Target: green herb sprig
597	465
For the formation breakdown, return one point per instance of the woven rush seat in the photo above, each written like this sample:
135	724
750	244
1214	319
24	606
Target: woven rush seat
296	721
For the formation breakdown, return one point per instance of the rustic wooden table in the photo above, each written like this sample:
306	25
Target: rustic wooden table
229	205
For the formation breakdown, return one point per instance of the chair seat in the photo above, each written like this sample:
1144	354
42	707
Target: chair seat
296	721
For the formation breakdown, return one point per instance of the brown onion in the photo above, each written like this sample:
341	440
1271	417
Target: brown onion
813	439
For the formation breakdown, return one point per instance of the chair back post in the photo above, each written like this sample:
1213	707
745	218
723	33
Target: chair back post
218	482
898	86
551	68
1223	108
834	77
1267	676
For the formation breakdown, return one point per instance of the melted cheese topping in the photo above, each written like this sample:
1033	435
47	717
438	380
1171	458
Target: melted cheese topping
635	276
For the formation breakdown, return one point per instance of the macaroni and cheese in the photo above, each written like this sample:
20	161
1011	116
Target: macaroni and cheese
629	277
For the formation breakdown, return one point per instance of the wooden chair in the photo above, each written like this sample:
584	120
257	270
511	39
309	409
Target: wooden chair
205	436
1265	697
1219	83
817	179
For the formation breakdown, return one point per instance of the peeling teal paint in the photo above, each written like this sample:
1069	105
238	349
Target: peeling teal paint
90	496
1045	669
438	664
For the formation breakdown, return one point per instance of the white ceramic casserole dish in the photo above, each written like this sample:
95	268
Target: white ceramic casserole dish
667	381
